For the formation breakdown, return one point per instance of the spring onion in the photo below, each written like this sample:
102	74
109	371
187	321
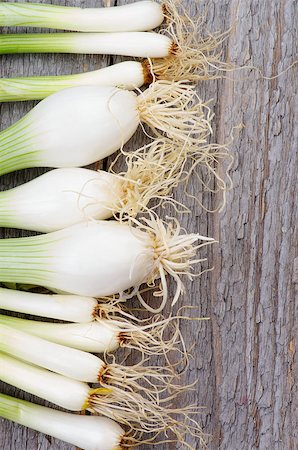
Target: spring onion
140	414
136	44
126	75
102	258
88	432
113	328
65	392
80	125
139	16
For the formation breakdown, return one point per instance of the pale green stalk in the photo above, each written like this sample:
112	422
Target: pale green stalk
35	88
6	210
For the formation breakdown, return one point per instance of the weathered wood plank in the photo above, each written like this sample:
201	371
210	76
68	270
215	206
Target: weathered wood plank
245	356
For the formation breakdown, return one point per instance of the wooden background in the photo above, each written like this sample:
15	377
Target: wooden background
245	356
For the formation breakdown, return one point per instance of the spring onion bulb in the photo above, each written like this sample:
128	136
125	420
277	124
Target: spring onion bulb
88	432
139	16
104	335
65	392
102	258
81	125
140	414
72	308
60	198
126	75
82	366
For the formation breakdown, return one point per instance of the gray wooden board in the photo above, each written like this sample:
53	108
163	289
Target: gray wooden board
245	356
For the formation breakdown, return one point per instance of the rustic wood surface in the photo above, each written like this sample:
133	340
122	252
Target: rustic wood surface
245	356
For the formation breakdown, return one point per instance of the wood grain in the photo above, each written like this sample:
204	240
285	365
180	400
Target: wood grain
245	356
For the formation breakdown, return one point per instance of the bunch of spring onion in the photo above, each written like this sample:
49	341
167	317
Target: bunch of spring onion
140	414
81	125
125	381
179	52
18	339
119	395
102	258
98	258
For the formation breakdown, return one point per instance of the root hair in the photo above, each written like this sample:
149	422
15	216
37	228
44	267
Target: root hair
192	57
174	255
173	109
142	417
